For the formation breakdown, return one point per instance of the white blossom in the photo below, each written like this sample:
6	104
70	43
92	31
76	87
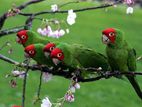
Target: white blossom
100	68
71	17
22	74
15	72
61	32
46	102
54	7
67	30
130	10
77	85
72	89
39	30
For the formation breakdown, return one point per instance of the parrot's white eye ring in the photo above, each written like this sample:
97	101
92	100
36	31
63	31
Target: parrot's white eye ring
23	37
59	55
31	52
111	34
51	48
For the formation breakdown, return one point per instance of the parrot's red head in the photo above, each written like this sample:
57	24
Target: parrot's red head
109	35
16	106
48	48
22	36
30	51
57	56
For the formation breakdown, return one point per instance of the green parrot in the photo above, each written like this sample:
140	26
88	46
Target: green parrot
49	47
77	56
35	51
27	37
121	56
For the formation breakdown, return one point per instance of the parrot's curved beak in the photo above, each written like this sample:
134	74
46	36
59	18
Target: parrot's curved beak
18	40
105	39
47	54
55	61
26	55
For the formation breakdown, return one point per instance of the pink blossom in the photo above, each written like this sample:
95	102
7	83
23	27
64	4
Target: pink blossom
129	2
46	31
57	33
69	97
13	83
46	76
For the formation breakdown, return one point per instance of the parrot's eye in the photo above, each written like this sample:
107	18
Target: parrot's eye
111	34
59	55
23	37
31	52
51	48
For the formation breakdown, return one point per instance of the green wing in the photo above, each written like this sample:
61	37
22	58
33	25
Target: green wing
131	60
40	57
34	38
89	58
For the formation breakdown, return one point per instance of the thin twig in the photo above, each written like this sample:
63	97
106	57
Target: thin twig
11	30
39	88
139	58
109	75
22	6
28	22
4	45
76	10
24	85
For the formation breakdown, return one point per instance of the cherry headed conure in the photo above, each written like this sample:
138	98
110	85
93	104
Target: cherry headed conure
35	51
48	48
121	56
27	37
76	56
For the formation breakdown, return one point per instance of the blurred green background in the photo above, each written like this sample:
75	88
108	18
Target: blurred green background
87	30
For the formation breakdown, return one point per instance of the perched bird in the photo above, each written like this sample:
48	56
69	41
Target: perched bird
77	56
121	56
27	37
35	51
48	48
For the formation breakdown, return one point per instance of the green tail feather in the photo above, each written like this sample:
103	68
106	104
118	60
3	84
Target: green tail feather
135	86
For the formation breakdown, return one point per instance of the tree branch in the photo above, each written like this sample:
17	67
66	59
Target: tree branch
66	74
77	10
24	87
108	75
4	16
28	22
11	30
